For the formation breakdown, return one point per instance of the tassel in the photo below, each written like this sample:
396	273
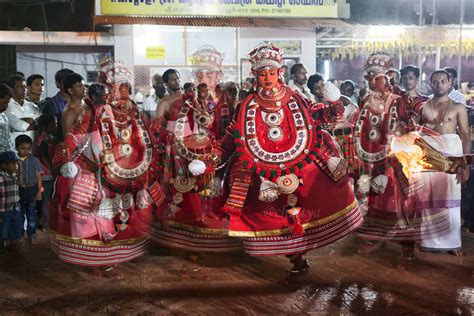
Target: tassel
143	199
297	230
69	170
379	184
197	167
334	163
268	191
363	184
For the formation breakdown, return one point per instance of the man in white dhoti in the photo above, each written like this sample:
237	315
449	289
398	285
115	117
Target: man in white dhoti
450	119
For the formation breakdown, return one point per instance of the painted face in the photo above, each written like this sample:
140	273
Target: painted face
267	78
377	82
208	77
409	81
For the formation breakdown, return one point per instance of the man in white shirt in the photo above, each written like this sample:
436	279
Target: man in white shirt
21	113
152	102
454	93
299	75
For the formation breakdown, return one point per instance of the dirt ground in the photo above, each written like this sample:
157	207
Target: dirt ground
341	282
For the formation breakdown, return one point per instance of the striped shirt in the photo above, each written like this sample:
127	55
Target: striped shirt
28	171
9	195
457	96
6	142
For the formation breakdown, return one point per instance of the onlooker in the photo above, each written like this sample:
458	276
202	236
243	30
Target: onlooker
97	94
454	94
73	84
45	146
153	101
448	118
232	94
189	87
6	142
348	89
299	75
56	104
21	113
316	87
394	76
35	89
30	184
10	217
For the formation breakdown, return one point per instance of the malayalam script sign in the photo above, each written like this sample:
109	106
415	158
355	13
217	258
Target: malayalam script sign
155	52
222	8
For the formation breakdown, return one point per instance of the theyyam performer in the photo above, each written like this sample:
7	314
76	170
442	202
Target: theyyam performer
398	204
108	185
288	190
192	221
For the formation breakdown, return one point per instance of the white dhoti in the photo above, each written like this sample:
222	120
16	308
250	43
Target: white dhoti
451	240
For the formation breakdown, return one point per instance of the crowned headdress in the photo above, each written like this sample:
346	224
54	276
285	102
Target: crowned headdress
265	55
378	63
207	59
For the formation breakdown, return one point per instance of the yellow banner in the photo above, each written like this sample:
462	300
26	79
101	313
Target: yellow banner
155	52
222	8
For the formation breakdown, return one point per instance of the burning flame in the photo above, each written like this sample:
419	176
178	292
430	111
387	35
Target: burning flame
411	156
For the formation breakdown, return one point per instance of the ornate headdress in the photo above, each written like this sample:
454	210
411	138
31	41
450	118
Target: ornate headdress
265	55
378	63
207	59
111	71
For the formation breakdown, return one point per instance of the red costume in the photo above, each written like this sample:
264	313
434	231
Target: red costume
288	193
393	211
193	222
107	189
412	105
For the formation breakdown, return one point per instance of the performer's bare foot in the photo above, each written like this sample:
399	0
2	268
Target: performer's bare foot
369	247
457	253
300	268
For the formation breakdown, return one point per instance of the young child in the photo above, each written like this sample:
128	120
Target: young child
11	221
29	182
45	147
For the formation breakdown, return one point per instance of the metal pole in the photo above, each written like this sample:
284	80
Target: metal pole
420	23
461	21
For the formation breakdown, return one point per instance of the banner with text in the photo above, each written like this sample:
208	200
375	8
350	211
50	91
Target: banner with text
222	8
